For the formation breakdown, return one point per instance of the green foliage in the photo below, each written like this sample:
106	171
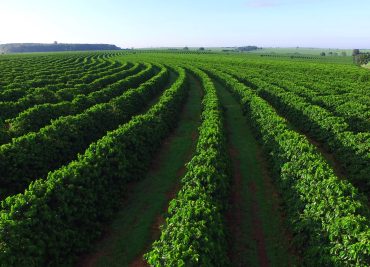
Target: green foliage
194	234
38	96
332	130
28	157
36	117
362	58
59	216
83	95
21	81
328	216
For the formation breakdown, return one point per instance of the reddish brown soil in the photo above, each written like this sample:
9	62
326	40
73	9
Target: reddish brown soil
139	262
276	202
257	232
234	217
234	214
90	260
160	220
194	136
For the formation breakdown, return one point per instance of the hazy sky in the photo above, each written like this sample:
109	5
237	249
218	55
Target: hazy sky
150	23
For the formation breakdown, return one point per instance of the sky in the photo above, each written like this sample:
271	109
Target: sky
193	23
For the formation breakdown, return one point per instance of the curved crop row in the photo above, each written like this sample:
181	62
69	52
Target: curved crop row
56	73
38	116
352	150
352	107
193	234
329	217
92	75
42	66
58	217
356	114
33	155
46	95
8	131
65	79
101	81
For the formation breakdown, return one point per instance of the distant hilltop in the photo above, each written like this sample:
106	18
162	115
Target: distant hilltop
55	47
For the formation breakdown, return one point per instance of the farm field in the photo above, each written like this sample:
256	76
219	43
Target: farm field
307	51
183	158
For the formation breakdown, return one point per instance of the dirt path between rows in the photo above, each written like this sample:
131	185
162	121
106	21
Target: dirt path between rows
258	232
328	156
91	259
254	219
234	214
160	219
137	223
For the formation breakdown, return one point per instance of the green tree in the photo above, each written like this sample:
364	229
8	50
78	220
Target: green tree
355	52
362	59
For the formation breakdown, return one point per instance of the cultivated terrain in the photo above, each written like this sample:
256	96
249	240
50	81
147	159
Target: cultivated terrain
184	158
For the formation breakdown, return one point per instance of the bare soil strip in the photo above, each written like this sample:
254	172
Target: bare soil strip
136	225
257	236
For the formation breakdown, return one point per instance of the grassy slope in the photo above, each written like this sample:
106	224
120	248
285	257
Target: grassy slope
262	231
134	227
